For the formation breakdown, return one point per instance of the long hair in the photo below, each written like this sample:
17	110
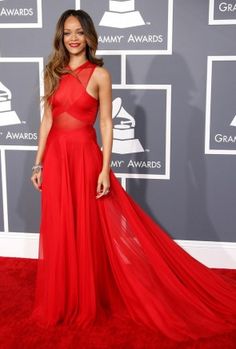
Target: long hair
59	57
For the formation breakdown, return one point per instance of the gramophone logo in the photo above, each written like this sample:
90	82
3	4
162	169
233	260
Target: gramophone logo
7	115
124	141
220	122
132	26
233	122
122	14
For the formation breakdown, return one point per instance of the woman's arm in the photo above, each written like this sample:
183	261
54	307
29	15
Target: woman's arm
44	129
106	127
105	110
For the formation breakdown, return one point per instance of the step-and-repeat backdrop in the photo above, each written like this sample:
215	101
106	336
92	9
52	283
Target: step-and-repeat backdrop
173	65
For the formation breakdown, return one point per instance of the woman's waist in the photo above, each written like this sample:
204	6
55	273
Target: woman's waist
82	133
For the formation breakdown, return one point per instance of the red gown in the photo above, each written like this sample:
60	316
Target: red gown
105	257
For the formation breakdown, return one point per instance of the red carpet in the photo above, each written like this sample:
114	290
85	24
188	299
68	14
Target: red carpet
17	279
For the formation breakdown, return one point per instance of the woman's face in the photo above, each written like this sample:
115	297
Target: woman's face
74	38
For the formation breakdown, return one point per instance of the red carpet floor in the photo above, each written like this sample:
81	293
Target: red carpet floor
17	279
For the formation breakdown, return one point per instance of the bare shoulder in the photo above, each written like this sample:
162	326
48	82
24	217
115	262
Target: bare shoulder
102	75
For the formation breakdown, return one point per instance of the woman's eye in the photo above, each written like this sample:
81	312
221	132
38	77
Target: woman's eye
79	33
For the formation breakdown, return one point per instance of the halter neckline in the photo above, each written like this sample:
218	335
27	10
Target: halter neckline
80	66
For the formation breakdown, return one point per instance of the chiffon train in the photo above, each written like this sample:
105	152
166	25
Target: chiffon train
102	258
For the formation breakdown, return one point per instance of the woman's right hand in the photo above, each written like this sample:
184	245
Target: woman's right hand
36	179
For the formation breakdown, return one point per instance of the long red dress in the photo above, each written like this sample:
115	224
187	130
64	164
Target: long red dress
106	257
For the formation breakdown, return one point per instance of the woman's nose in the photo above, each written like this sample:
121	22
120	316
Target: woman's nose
74	36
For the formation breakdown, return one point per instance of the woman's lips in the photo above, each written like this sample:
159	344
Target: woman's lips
74	45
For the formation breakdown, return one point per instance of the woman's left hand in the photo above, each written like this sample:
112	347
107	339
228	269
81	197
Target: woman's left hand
103	185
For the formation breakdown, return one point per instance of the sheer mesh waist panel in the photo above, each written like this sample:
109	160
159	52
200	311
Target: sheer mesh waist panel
66	121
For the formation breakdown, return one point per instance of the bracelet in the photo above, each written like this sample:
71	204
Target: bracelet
37	168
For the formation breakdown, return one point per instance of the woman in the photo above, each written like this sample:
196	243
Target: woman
100	254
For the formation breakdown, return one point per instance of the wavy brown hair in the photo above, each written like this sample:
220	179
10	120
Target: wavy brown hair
59	57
